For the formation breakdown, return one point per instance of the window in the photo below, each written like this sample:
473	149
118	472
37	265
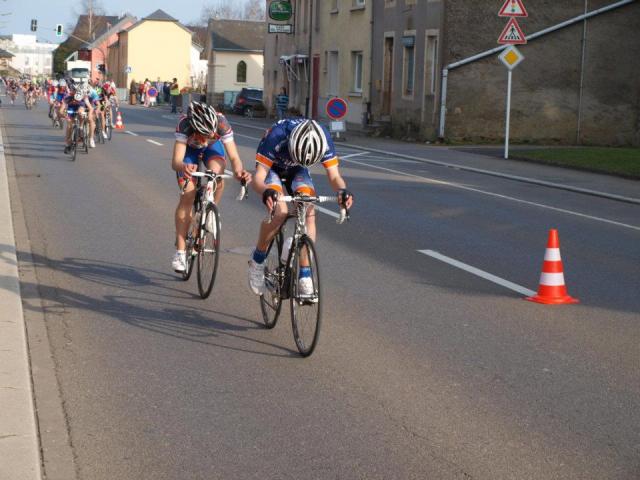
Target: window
408	42
333	73
359	3
431	62
334	6
241	72
356	61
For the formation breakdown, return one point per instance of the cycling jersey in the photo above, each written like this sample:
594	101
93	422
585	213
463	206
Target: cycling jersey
72	104
273	150
185	133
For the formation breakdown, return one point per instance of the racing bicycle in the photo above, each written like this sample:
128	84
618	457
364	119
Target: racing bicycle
282	271
203	237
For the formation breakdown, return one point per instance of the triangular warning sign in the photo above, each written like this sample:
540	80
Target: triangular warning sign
512	34
513	8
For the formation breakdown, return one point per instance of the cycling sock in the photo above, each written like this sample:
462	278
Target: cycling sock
305	272
259	256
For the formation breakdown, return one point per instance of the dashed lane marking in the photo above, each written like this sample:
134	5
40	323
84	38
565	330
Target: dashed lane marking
480	273
131	133
154	142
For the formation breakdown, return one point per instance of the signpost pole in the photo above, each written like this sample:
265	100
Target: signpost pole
508	120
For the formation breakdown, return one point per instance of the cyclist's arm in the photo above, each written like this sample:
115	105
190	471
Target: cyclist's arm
259	178
177	161
236	164
338	183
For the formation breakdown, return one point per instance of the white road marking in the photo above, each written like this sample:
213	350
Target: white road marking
497	195
131	133
154	142
236	134
480	273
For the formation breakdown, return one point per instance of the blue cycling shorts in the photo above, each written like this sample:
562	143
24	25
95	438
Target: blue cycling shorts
295	179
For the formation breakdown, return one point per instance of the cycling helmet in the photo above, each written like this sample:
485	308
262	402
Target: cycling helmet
62	82
307	143
203	118
54	83
78	97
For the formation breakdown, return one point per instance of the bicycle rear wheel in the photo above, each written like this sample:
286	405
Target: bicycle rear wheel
107	125
271	300
85	136
306	307
98	132
192	246
209	250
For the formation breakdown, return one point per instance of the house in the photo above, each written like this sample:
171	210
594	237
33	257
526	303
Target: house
286	57
199	57
575	85
342	58
100	46
236	57
30	56
157	47
5	62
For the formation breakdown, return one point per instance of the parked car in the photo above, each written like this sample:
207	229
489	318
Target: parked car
248	101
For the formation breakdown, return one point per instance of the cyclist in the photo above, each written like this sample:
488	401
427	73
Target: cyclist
72	105
90	98
107	95
201	134
284	155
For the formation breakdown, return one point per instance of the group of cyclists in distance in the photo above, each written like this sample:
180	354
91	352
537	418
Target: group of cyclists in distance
204	136
90	100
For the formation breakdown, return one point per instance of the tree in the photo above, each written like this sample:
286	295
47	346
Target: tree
223	10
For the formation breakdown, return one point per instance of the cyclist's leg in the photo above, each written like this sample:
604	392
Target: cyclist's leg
269	230
185	203
301	182
214	160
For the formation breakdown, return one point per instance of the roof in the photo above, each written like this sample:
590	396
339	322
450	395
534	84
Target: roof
5	54
116	27
237	35
199	38
160	15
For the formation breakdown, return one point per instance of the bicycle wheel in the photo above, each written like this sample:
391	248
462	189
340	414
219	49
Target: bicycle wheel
107	126
306	307
271	300
192	247
74	143
85	136
209	250
98	132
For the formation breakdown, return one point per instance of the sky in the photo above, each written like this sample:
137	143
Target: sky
16	15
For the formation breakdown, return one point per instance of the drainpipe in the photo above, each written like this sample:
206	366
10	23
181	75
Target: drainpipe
533	36
310	73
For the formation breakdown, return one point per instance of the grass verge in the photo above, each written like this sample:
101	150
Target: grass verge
624	162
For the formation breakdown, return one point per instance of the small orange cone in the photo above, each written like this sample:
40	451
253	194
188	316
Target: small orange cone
119	124
552	290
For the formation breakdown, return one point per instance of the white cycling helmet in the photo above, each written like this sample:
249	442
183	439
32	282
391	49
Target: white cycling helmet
307	143
62	83
78	97
54	83
203	118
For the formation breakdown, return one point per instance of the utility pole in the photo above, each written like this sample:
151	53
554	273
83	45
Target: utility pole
309	59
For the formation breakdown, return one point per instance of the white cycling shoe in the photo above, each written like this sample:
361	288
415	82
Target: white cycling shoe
256	277
305	287
179	262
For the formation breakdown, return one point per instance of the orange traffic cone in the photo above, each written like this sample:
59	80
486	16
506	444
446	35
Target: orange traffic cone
119	123
552	290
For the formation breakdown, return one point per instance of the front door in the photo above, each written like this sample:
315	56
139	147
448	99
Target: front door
387	76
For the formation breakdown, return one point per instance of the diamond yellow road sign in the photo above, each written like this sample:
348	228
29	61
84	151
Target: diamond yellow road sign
511	57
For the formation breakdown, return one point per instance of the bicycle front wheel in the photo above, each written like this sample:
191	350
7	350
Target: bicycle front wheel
306	305
85	136
74	143
209	250
271	300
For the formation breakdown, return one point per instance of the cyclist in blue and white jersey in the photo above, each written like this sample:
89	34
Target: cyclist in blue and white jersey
72	104
284	155
91	98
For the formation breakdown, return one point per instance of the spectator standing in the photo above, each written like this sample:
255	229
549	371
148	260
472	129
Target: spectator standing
133	92
174	92
166	88
282	103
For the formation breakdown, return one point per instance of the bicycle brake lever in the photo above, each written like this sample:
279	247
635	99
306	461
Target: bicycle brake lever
244	193
344	216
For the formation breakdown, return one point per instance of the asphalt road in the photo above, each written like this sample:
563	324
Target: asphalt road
423	370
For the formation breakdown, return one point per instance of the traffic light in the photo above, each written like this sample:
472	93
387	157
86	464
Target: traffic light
59	30
34	24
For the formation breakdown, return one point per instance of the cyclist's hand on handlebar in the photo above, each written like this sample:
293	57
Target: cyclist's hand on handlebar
345	198
187	169
269	198
243	176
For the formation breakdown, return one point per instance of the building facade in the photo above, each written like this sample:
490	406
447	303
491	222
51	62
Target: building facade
236	57
30	56
342	57
99	48
157	47
575	85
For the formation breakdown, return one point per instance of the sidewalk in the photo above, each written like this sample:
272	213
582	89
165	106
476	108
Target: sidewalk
19	444
482	160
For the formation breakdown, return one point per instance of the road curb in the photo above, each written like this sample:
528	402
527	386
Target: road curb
19	441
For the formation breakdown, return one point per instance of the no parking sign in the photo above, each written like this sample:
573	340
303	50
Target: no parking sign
337	108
